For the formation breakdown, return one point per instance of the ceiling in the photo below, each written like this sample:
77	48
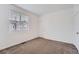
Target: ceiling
41	9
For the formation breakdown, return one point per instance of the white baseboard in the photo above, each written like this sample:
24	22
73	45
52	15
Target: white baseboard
9	45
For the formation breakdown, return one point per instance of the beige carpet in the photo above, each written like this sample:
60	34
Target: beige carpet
41	46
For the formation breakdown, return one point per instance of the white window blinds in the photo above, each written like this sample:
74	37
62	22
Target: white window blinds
18	21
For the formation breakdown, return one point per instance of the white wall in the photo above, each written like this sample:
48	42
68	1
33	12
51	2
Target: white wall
76	26
57	26
14	38
3	24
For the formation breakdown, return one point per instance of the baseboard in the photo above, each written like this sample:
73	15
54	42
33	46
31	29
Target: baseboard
55	39
12	45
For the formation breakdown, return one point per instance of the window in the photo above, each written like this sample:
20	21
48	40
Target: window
17	21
